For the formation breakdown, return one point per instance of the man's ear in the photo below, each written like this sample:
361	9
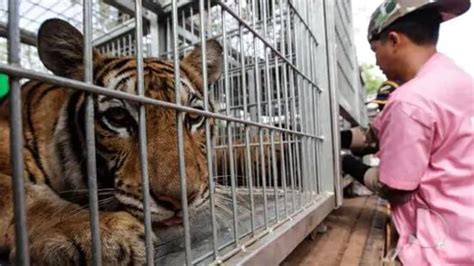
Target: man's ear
61	47
214	60
394	38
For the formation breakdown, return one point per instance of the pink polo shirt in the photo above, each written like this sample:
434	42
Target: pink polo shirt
426	134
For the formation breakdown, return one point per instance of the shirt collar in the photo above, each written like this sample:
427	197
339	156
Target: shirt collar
433	60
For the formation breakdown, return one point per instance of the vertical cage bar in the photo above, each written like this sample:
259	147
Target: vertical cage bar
115	48
318	142
130	44
191	18
248	163
330	37
278	103
259	118
16	138
309	67
307	109
300	106
208	131
272	163
155	46
278	85
229	128
307	92
183	28
318	110
302	64
315	105
262	163
142	134
300	109
90	138
180	135
299	100
124	46
275	174
310	90
168	38
208	21
310	71
294	111
289	137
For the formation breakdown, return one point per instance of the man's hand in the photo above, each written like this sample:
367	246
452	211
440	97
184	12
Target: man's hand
354	167
359	141
354	139
359	138
395	196
369	177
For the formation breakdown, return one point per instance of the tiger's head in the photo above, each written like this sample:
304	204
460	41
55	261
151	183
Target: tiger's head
60	47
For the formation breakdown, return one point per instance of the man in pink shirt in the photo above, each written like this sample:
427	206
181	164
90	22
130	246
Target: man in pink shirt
425	135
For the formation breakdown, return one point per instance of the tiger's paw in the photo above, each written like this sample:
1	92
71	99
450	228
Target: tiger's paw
68	242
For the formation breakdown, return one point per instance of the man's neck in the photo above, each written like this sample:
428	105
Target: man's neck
415	59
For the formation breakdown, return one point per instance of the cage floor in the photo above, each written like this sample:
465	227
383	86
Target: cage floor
354	236
170	250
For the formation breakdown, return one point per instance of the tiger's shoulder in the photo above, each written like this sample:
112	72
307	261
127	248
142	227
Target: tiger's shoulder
41	107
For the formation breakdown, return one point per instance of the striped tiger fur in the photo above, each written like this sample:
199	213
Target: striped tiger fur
55	158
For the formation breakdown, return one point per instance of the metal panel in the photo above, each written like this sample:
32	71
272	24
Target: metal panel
350	92
333	103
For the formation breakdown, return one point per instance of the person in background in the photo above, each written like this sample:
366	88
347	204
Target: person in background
359	140
383	93
425	135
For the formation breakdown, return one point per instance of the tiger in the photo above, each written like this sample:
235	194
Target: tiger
275	169
221	156
55	158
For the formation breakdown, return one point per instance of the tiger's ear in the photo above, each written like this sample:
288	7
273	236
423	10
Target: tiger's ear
61	48
214	60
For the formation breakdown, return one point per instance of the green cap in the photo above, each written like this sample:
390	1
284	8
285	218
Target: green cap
4	85
391	10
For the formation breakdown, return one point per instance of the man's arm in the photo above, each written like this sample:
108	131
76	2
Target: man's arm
359	140
369	177
406	138
393	195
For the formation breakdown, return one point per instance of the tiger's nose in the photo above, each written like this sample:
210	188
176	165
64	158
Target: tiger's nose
174	204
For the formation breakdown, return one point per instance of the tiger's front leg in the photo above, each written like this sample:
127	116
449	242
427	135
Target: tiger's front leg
59	231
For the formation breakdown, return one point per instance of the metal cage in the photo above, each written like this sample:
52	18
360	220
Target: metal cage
273	162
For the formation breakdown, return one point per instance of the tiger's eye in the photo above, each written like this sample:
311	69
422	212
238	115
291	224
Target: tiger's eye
194	116
118	116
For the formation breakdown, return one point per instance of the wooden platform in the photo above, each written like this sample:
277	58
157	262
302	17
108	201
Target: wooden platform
354	236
